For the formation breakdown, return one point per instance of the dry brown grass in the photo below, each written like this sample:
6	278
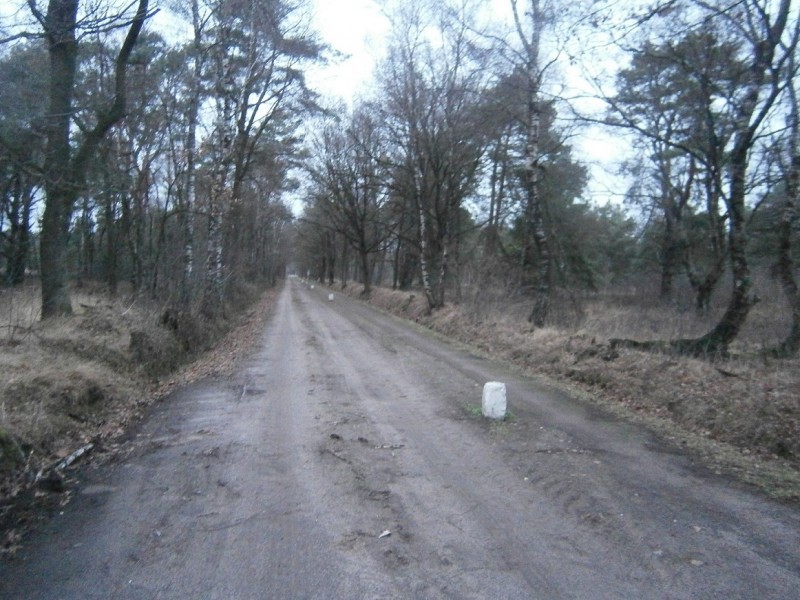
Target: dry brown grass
67	381
56	377
741	415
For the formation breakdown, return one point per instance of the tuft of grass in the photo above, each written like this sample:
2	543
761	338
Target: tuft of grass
11	455
476	411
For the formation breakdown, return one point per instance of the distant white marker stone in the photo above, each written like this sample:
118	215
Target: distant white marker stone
493	404
330	297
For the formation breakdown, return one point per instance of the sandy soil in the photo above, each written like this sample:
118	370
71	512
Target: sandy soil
278	481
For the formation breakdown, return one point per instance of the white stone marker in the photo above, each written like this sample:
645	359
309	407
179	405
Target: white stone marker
493	404
330	297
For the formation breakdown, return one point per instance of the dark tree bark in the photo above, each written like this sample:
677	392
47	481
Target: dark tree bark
786	267
673	203
112	245
85	229
18	240
65	166
189	200
704	284
671	254
60	184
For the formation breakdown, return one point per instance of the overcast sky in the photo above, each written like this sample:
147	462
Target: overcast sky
356	28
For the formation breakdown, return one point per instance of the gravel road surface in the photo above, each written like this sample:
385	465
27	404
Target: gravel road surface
345	424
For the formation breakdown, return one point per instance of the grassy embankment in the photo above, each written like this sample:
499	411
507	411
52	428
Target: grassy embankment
740	416
69	382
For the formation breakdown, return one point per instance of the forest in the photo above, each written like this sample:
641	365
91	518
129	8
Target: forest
186	163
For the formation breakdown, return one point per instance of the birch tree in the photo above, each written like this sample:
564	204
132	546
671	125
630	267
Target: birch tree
255	72
529	27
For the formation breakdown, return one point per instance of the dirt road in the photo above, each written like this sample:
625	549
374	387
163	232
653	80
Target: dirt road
347	423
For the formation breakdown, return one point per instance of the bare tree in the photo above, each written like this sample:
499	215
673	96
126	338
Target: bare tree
197	52
431	99
764	37
530	38
65	164
354	184
258	88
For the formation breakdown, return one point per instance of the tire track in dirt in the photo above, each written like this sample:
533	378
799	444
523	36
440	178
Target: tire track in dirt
431	477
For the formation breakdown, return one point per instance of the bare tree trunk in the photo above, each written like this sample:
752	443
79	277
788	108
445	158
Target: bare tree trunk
790	346
220	196
673	203
704	285
443	271
86	243
497	183
720	337
161	242
427	288
212	296
379	275
60	24
534	211
189	201
366	272
112	245
670	261
64	171
19	229
330	248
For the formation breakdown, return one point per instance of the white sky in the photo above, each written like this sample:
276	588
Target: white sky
357	29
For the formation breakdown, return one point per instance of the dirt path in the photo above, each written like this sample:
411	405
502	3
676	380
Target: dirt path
278	482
